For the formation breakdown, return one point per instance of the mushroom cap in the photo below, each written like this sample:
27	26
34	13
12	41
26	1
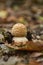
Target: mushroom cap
19	30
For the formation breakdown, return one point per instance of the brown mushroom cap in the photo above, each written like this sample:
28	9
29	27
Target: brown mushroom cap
19	30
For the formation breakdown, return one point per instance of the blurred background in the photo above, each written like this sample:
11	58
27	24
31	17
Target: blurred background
28	12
